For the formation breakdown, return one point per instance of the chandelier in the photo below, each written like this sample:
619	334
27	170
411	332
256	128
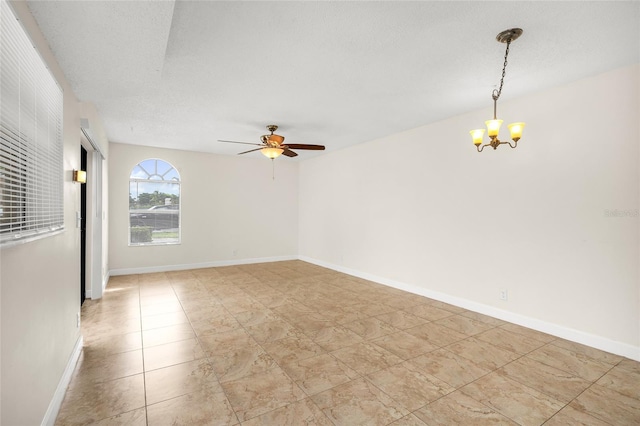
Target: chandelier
493	126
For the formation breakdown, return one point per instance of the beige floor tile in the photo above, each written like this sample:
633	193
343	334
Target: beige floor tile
359	402
95	369
514	400
571	362
401	319
342	314
589	352
319	373
249	318
294	310
113	311
160	308
114	324
200	304
335	337
407	384
180	379
446	306
157	295
428	312
198	408
94	402
301	413
556	383
266	336
401	301
404	345
241	362
464	325
216	324
629	365
409	420
266	332
172	353
608	405
366	357
310	324
483	318
136	417
569	416
293	348
371	308
164	320
204	312
455	370
227	341
241	304
623	379
483	354
172	333
436	334
371	328
533	334
460	409
101	345
509	340
260	393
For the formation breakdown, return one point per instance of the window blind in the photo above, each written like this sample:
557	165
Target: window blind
31	108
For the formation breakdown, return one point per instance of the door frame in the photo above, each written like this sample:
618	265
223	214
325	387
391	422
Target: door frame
94	275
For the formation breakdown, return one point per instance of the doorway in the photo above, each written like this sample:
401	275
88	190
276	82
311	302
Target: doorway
83	228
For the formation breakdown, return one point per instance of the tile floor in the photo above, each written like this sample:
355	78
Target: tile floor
290	343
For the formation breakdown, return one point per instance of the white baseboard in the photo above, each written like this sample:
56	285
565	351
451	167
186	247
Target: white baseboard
213	264
598	342
56	402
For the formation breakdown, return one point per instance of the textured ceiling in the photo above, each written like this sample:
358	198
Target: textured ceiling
184	74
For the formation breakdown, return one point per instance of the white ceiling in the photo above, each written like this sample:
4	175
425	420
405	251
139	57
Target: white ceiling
184	74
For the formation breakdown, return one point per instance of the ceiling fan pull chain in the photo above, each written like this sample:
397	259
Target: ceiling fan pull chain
273	170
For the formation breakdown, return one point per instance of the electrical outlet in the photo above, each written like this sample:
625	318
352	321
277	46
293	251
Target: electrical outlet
503	294
235	252
78	320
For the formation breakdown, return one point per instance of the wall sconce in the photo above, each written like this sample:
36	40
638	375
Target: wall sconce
80	176
493	126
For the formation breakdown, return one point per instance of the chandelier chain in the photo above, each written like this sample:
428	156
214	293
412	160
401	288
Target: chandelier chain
496	93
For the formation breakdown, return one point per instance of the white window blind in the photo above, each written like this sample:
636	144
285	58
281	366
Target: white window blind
31	108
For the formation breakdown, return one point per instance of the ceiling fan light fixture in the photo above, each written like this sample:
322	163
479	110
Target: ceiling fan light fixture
271	152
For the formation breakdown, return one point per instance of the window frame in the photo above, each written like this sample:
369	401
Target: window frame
150	180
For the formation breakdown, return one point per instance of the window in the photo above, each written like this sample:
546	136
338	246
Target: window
31	108
154	203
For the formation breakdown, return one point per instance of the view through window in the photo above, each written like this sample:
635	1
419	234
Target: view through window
154	203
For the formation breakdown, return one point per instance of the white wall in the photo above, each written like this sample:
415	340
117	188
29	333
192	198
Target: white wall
422	209
228	203
40	286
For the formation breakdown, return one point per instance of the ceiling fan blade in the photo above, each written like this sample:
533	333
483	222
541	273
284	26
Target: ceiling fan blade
289	153
305	146
244	143
251	150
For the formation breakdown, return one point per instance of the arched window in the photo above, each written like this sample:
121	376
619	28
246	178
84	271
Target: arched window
154	203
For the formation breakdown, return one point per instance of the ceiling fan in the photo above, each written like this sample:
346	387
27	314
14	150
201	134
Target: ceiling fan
273	145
